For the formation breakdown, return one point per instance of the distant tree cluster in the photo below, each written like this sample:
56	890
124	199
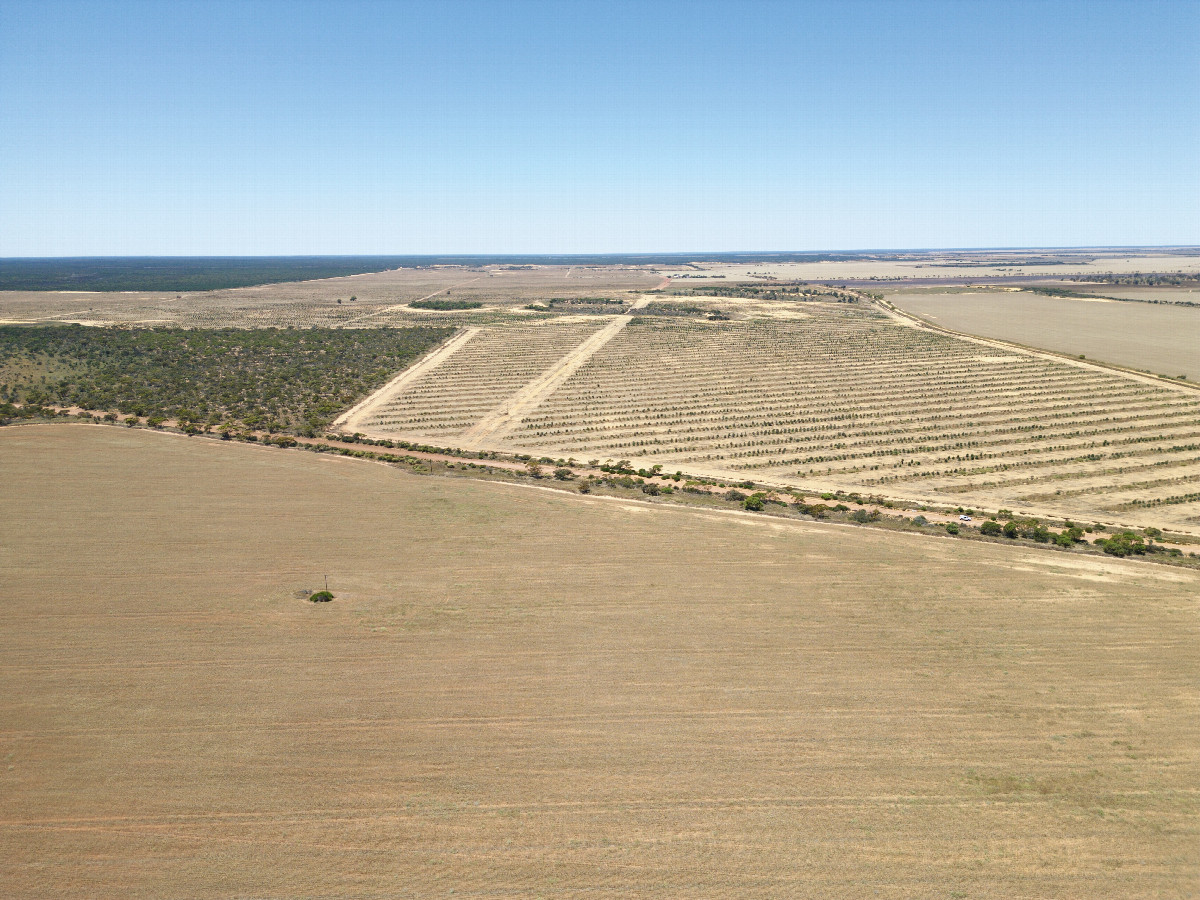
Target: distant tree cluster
585	305
770	291
1138	279
1063	292
268	379
442	303
186	273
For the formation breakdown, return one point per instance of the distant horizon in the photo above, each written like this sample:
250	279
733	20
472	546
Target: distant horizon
617	254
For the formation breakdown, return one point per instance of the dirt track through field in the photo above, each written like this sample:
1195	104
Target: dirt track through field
490	430
350	419
408	304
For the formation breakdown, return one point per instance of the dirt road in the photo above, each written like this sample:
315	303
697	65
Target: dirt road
359	413
489	430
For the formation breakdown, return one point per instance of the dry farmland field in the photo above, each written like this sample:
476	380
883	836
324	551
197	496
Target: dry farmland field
524	693
826	396
355	301
1162	338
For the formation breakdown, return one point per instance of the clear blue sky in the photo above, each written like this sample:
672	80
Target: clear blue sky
264	128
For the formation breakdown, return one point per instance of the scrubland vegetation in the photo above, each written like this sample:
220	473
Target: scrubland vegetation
274	379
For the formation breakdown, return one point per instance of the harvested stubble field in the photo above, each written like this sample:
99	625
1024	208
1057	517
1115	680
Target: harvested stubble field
843	397
522	693
1161	338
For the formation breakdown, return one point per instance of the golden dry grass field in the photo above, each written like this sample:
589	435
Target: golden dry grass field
1160	338
528	694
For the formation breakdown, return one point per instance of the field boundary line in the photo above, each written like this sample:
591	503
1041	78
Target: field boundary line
912	320
368	404
509	412
745	516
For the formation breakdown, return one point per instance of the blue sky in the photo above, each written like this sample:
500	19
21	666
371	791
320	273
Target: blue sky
265	128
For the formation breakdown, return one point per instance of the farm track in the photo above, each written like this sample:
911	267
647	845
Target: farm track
358	320
365	408
494	426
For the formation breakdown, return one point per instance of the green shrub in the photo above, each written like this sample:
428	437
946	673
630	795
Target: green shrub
321	597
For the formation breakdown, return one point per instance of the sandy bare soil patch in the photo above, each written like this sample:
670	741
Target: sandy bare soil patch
524	694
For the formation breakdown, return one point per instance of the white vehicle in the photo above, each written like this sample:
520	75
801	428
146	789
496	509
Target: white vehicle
964	518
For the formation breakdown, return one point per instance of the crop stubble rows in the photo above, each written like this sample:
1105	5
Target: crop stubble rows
844	398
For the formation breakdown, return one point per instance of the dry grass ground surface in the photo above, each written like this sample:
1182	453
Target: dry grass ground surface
381	298
1163	338
521	693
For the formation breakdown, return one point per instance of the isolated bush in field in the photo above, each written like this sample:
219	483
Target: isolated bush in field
1039	533
863	516
991	528
753	503
651	488
952	528
735	495
920	520
563	474
1126	543
321	597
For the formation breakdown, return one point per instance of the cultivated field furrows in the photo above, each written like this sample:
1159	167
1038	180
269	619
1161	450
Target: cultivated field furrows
849	399
492	367
525	693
